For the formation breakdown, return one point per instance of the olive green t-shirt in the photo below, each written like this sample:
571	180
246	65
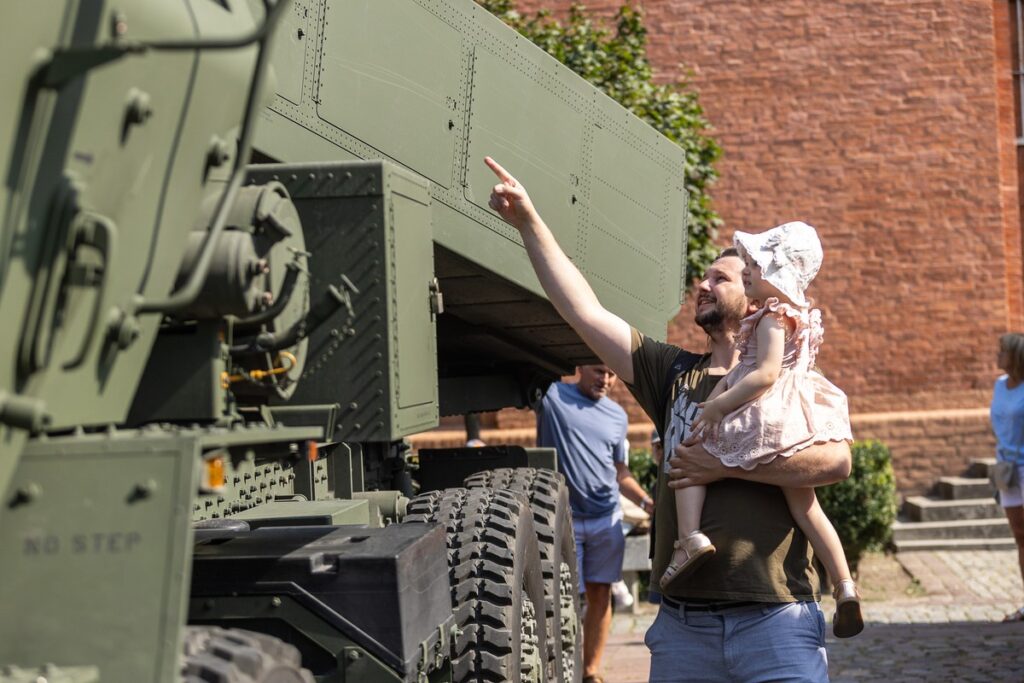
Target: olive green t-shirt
761	553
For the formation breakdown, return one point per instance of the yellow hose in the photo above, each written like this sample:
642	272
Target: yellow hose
278	369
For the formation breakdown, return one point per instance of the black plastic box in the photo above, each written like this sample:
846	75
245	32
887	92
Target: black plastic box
385	589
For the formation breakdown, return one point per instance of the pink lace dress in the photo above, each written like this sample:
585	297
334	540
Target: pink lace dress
800	409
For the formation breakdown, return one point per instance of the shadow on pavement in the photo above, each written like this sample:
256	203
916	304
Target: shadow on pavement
896	653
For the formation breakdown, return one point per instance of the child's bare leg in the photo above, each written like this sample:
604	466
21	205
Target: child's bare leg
811	519
689	507
692	547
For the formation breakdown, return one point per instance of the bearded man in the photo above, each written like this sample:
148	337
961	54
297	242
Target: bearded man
750	613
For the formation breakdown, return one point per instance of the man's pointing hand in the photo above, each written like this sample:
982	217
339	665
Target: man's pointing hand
508	198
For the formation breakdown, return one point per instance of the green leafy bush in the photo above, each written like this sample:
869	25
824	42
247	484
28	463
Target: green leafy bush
616	62
643	467
863	507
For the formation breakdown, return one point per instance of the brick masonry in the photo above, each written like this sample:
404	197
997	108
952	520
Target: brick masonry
925	444
890	126
928	444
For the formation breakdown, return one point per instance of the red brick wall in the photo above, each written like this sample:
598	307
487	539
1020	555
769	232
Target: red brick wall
889	126
514	419
877	123
926	444
930	444
1009	114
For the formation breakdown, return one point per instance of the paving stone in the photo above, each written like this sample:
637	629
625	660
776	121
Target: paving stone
930	652
951	633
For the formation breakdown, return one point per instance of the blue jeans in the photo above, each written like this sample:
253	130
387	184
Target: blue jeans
768	642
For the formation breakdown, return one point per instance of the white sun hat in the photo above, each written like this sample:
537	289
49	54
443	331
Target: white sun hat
789	255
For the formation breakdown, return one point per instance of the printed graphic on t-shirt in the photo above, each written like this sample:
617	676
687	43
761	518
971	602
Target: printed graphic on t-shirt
685	409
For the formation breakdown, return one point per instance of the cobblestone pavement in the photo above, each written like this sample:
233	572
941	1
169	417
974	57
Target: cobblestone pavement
943	627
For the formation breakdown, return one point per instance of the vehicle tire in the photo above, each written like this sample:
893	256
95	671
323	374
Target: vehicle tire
220	655
496	581
549	501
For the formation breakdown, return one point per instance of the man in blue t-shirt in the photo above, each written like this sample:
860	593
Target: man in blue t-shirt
588	430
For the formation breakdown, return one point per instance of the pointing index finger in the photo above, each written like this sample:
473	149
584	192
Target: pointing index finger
502	174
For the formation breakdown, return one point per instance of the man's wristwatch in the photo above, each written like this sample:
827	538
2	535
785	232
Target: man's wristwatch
647	505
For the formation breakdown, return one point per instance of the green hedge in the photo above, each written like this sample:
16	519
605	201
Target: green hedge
863	507
643	467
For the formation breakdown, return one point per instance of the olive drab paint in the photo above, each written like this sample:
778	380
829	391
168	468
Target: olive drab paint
245	250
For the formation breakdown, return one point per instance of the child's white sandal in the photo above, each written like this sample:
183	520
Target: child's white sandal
689	553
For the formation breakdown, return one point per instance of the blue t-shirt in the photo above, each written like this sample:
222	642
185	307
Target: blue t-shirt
1007	415
589	437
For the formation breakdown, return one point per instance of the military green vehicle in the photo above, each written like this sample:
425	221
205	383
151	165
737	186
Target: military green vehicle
246	251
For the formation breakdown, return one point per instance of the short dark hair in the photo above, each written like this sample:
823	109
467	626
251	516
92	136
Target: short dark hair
728	251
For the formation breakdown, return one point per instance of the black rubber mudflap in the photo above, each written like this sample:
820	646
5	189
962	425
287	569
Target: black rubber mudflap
548	495
496	579
220	655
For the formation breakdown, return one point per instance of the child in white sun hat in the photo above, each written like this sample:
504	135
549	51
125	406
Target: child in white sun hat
774	404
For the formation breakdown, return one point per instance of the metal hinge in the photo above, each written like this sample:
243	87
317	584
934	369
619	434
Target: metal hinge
436	299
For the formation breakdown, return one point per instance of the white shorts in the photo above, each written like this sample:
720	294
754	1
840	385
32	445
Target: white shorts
1013	497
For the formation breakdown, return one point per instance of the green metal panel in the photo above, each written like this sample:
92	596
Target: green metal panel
302	512
345	467
368	223
260	465
410	265
42	26
508	107
290	50
632	182
182	380
393	57
95	554
601	177
412	322
546	458
12	441
249	485
100	208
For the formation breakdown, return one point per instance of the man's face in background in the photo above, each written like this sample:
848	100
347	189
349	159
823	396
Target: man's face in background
595	381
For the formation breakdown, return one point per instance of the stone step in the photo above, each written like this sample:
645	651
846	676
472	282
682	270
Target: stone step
956	544
956	528
962	488
979	467
925	509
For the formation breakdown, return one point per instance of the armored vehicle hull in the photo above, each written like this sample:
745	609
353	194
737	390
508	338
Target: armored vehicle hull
245	251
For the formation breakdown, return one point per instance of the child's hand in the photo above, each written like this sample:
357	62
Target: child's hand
508	198
710	418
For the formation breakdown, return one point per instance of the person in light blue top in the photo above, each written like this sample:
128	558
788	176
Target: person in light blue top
588	435
588	430
1007	415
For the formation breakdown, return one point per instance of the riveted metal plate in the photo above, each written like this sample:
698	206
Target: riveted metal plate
372	78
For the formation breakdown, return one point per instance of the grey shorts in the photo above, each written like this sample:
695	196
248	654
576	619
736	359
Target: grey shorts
1012	497
600	546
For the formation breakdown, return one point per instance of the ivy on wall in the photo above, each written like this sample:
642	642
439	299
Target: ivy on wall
616	62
